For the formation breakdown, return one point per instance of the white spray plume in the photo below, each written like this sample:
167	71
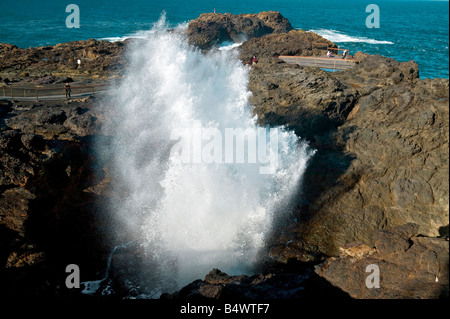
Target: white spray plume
198	216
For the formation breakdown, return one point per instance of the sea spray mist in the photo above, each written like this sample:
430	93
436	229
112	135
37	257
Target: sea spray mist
192	216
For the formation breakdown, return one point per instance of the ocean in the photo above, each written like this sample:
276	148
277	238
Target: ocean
409	30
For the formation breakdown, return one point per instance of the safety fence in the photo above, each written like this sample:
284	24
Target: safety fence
48	93
321	62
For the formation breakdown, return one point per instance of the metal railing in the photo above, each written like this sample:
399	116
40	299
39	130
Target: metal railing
46	93
326	47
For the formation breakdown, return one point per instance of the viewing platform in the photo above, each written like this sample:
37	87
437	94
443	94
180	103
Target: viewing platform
320	62
335	62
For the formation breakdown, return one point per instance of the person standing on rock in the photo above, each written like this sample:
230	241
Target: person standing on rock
68	90
344	55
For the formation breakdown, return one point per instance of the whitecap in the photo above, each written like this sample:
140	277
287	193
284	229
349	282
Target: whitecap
226	46
340	37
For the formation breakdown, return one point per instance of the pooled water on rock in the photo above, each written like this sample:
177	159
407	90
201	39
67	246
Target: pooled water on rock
193	217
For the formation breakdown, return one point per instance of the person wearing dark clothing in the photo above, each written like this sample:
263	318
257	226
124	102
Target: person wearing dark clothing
68	90
345	54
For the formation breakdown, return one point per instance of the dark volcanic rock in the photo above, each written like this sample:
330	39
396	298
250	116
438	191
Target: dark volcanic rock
18	158
14	205
377	70
410	266
98	58
397	138
49	197
67	120
48	79
381	136
214	28
295	42
217	285
308	101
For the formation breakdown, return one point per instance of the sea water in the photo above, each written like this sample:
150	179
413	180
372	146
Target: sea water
409	30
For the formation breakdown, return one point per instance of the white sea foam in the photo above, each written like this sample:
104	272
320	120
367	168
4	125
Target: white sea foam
340	37
135	35
194	217
229	46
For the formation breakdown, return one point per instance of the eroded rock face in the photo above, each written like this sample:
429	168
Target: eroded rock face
397	173
211	29
308	101
410	266
381	136
49	199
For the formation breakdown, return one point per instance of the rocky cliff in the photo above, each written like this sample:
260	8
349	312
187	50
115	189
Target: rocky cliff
410	266
214	28
49	206
382	140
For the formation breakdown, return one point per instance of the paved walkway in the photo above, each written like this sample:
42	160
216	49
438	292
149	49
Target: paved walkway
48	93
321	62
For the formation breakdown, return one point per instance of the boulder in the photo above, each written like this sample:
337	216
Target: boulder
218	285
294	42
409	266
211	29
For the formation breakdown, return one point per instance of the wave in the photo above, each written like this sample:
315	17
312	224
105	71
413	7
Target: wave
135	35
226	46
160	25
337	37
